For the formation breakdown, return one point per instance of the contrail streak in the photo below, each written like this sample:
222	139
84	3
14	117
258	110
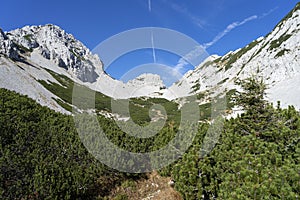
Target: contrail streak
149	5
153	49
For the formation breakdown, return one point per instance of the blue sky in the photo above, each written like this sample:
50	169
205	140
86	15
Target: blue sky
219	25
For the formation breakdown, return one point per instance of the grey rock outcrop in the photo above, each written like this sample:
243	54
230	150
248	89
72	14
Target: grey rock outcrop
7	47
62	48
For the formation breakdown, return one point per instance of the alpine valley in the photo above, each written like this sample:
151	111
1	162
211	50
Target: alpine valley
256	157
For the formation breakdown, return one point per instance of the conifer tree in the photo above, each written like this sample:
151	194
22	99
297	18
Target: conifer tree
252	96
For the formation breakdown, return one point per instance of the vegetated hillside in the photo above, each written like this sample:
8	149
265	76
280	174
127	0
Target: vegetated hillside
256	157
42	156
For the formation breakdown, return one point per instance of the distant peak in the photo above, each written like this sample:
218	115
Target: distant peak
147	78
49	26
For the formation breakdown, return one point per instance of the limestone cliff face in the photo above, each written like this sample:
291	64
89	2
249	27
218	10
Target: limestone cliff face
7	47
62	48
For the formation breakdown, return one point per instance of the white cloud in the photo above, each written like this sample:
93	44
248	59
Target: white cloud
229	28
234	25
268	13
183	10
194	57
179	69
197	52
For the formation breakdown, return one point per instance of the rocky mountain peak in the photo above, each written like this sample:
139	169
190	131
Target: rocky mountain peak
54	44
147	79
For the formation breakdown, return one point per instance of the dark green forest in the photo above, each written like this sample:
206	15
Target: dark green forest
256	157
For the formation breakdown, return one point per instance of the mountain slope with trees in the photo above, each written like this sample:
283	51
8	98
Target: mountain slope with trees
256	157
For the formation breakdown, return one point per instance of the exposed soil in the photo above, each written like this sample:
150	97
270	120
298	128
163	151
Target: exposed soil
154	187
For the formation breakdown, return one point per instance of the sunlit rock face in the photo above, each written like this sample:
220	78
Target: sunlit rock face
62	48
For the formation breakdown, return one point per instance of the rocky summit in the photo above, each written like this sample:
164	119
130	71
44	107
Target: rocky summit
62	48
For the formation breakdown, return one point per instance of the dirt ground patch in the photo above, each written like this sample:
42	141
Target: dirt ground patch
154	187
